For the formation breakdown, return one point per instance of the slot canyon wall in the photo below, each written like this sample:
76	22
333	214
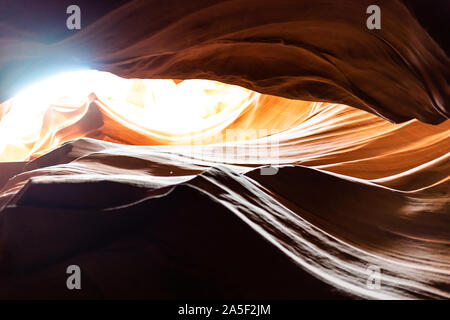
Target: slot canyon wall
361	170
308	50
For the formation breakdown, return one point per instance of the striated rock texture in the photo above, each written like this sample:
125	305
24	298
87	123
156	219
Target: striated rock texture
146	220
350	191
310	50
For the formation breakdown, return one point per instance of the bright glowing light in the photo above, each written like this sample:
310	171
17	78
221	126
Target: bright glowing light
45	115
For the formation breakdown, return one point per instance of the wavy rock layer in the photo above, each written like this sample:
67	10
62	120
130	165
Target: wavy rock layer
315	51
350	191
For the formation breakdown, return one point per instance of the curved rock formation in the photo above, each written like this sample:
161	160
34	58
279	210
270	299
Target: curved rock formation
351	191
301	213
315	51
